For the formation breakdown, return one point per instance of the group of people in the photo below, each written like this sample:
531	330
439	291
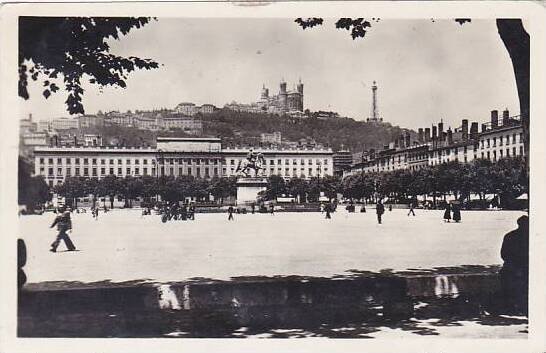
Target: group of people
452	211
176	212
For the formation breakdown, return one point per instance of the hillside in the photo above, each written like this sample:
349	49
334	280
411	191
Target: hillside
239	128
245	128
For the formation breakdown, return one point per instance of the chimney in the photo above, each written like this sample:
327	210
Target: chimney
396	143
494	118
441	130
505	115
474	131
402	141
484	127
427	134
434	133
421	136
408	139
465	129
449	136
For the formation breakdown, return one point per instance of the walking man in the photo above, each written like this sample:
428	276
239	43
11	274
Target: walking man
327	210
411	207
230	213
64	224
379	209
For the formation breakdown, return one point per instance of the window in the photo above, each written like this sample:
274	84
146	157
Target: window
279	161
42	170
215	171
507	152
294	162
271	171
271	162
137	171
189	171
488	155
180	171
102	171
50	160
111	161
206	171
310	161
287	170
50	182
514	151
41	161
494	141
145	171
310	171
111	171
488	145
128	171
69	161
286	161
94	171
494	155
137	161
198	171
120	161
521	150
59	171
85	161
514	138
77	171
94	161
146	161
102	161
59	161
232	162
85	171
49	171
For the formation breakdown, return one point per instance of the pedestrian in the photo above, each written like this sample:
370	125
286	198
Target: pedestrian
390	208
363	208
230	213
64	224
252	207
184	212
379	209
456	212
327	209
411	207
447	213
272	209
514	274
192	212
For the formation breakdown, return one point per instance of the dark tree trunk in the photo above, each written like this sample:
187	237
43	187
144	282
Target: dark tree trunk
516	40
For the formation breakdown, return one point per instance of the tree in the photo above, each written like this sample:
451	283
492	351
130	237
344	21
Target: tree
275	187
73	49
32	190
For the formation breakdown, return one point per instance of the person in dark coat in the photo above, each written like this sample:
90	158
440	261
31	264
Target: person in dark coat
253	208
411	208
379	209
363	208
184	212
447	213
192	212
230	213
456	213
514	274
272	209
390	208
64	224
327	209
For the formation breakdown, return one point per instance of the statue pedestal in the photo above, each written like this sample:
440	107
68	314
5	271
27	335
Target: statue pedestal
248	189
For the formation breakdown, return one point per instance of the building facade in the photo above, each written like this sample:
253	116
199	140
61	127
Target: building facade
497	139
199	157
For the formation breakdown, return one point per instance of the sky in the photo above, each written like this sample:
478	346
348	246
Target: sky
425	70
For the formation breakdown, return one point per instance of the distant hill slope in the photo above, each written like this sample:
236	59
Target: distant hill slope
239	128
245	128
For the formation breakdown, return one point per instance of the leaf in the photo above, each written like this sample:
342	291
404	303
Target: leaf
46	83
46	93
53	87
34	76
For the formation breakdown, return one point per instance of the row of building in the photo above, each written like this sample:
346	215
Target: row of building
499	138
199	157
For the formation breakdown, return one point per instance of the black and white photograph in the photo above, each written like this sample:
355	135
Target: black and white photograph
265	177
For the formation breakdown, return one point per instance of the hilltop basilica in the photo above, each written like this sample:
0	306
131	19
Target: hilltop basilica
285	102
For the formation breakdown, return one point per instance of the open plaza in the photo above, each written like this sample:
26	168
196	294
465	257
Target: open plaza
123	245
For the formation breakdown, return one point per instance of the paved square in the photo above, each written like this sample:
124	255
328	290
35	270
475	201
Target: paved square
122	245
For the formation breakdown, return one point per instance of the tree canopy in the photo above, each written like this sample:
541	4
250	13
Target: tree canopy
72	49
